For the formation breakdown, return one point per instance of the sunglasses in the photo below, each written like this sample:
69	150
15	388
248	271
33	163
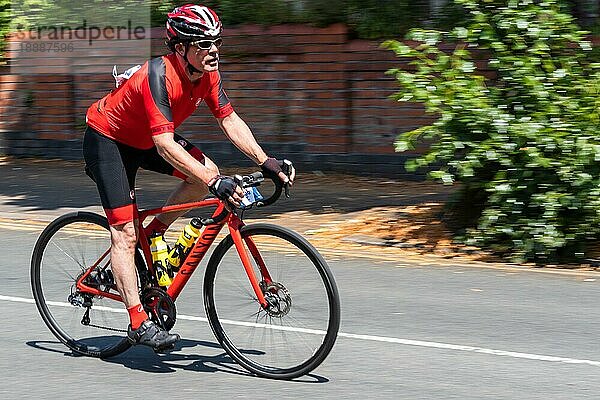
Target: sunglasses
207	44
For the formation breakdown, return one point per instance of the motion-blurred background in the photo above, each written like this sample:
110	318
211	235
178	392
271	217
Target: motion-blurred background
500	96
308	76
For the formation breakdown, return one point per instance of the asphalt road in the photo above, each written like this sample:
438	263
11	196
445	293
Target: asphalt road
408	332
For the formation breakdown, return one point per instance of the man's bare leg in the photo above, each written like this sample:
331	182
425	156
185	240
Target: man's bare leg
122	257
187	191
122	253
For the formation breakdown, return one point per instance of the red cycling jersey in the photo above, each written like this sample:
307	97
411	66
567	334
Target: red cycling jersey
156	99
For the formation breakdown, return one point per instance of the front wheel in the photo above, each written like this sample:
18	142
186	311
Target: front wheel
299	328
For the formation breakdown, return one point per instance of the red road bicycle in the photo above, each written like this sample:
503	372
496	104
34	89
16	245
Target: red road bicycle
269	296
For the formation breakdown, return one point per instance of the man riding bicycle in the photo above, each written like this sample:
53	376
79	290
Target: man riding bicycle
134	126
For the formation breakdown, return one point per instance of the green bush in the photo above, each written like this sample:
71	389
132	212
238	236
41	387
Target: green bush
523	141
4	23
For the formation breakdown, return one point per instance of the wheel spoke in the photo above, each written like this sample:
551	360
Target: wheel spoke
69	256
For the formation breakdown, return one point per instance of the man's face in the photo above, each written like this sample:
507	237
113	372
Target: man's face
204	55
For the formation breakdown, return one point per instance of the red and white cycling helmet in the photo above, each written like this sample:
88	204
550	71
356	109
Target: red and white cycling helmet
191	22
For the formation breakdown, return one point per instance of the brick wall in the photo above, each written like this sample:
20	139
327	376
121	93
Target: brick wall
309	94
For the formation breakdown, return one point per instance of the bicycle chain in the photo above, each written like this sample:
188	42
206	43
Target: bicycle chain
107	328
85	321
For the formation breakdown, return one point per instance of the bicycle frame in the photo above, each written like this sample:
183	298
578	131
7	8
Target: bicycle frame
196	254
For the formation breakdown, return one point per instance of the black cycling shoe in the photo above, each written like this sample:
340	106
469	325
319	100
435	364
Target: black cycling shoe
150	334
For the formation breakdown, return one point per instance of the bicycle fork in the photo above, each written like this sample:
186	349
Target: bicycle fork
234	229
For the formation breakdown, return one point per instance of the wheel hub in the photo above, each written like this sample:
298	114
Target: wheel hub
79	299
279	301
103	280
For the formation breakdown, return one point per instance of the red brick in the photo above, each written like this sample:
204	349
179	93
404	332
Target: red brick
335	121
325	148
324	103
375	84
327	112
374	149
372	94
326	57
359	76
10	79
49	118
52	103
54	136
400	112
374	102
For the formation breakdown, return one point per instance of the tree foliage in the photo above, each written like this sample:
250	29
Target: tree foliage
4	21
524	140
365	18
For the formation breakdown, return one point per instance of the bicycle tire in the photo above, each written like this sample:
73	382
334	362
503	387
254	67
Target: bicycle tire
54	304
286	253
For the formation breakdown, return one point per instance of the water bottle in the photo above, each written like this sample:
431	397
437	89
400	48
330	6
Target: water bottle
160	254
184	243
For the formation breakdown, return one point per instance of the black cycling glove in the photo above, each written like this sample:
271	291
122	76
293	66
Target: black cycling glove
222	186
272	167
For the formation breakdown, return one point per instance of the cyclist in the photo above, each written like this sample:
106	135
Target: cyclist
134	126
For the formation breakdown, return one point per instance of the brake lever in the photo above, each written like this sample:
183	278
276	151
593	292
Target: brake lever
286	168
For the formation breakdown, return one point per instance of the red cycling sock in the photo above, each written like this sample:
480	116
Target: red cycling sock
137	316
156	226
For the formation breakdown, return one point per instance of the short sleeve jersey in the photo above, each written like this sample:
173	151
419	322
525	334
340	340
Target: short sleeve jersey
156	99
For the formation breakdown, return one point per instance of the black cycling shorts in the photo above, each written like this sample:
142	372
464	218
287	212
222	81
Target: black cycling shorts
113	166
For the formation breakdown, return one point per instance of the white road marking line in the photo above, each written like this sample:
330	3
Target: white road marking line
473	349
17	299
407	342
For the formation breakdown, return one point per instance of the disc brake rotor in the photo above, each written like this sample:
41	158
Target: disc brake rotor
278	299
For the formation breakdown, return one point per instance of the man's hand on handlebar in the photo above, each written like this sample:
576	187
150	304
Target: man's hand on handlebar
226	188
230	190
283	169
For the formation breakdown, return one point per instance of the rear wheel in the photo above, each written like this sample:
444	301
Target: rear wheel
88	324
298	330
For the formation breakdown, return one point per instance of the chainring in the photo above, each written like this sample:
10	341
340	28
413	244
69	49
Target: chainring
160	307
